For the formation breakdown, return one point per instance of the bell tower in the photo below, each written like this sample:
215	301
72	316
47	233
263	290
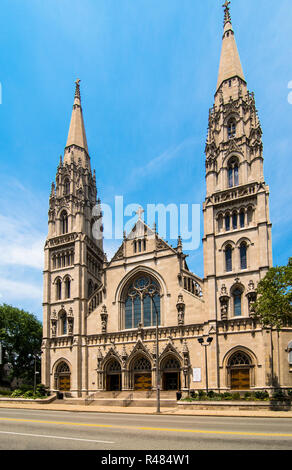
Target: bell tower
237	229
74	254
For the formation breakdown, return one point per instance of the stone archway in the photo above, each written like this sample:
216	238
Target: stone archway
63	377
141	375
113	373
170	371
239	371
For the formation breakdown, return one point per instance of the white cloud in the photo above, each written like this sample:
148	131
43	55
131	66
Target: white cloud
19	290
20	244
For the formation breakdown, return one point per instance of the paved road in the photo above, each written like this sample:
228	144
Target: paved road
61	430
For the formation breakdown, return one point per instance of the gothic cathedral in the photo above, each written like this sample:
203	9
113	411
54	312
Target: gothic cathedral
101	318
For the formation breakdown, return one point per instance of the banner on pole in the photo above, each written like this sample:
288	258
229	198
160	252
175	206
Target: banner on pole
197	374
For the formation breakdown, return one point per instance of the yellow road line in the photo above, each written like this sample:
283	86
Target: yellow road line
144	428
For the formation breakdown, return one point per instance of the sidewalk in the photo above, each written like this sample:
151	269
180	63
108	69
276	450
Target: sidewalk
145	410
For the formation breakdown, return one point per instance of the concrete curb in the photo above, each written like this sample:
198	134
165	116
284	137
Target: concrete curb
147	411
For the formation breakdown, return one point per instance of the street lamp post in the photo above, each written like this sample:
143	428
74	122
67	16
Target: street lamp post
35	374
35	371
209	341
157	362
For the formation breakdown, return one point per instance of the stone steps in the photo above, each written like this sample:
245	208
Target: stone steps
146	402
125	398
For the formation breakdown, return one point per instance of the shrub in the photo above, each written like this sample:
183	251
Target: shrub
226	396
211	394
261	395
28	394
202	395
16	393
42	390
247	396
235	396
278	395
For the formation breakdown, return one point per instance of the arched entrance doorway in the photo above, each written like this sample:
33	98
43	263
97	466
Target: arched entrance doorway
113	376
141	370
63	377
170	368
239	368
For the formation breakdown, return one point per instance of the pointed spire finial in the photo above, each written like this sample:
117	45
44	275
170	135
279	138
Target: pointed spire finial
227	16
77	89
230	65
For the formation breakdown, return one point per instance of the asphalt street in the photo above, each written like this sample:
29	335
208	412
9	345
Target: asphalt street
66	430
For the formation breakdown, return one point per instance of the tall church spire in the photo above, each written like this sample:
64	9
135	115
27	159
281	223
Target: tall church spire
76	141
230	65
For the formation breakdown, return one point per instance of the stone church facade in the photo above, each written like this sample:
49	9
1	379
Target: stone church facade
99	316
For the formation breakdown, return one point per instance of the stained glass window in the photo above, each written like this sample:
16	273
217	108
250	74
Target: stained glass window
63	319
237	302
228	258
236	178
239	359
233	173
141	302
128	313
137	311
64	222
147	310
231	129
243	259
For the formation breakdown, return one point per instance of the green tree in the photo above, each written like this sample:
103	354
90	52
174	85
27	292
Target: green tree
21	338
274	301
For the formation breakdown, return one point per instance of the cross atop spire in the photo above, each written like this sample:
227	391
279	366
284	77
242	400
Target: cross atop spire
227	16
77	90
139	212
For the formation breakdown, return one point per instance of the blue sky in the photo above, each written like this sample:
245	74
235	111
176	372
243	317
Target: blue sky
149	72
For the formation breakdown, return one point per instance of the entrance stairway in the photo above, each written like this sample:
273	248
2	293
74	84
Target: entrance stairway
131	398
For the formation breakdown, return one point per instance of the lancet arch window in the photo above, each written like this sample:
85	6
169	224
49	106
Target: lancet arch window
227	222
242	218
233	172
139	245
228	258
63	323
58	289
64	222
67	288
243	255
234	220
141	302
237	302
231	128
66	186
